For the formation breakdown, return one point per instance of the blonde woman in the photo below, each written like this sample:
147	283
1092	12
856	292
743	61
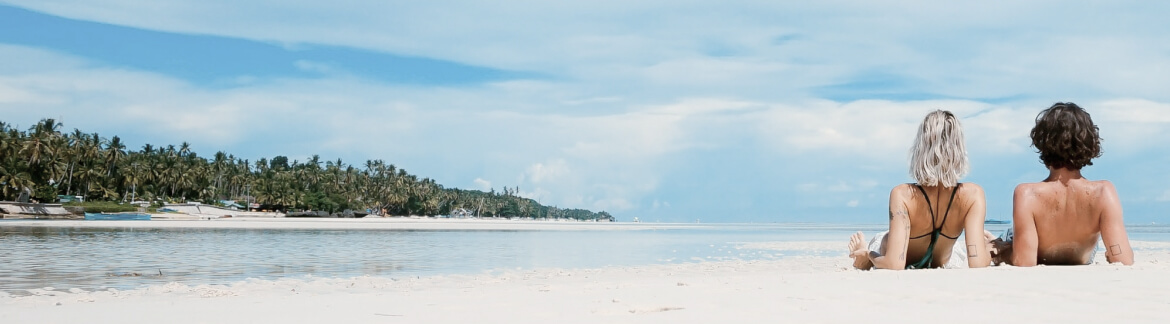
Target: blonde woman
927	217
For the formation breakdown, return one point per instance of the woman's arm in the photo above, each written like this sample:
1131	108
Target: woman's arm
1025	243
977	254
894	257
1113	233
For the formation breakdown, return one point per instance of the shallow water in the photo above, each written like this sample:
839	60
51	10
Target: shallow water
125	258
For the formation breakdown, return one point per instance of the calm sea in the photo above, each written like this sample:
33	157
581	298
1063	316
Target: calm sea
102	258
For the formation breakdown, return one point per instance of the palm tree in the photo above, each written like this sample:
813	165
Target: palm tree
73	144
39	145
132	176
219	167
43	157
115	151
14	183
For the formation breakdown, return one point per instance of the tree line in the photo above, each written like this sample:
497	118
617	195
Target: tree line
45	163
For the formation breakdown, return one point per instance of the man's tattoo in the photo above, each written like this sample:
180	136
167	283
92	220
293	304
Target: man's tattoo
903	256
972	252
1115	249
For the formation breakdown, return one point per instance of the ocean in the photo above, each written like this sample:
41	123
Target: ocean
126	258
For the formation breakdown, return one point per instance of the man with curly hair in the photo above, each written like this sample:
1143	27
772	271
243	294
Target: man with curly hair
1058	221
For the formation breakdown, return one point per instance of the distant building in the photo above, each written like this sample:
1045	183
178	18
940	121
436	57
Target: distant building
461	213
231	204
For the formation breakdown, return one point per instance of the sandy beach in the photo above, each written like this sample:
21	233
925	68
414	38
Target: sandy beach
793	289
371	223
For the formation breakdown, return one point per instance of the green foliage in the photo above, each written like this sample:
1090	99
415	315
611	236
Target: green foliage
48	163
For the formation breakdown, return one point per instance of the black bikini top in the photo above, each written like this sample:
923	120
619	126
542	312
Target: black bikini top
937	229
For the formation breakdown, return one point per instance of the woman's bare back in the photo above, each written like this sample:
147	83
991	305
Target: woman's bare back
950	220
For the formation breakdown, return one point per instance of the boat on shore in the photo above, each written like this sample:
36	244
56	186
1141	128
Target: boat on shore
117	216
996	221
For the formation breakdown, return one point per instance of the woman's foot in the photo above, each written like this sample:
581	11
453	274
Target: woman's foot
859	252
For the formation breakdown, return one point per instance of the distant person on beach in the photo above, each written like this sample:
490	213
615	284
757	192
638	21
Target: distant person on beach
927	217
1059	220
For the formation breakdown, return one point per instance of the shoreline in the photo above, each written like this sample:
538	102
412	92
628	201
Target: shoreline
349	224
401	223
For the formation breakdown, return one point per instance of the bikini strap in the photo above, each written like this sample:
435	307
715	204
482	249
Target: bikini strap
948	212
929	208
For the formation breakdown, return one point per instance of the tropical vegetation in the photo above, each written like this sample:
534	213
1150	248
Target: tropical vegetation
47	163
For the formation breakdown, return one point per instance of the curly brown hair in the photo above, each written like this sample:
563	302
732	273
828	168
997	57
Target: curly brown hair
1066	137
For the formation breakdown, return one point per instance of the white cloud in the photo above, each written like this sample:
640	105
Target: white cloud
839	186
612	204
482	184
630	92
1132	126
542	172
13	95
1165	196
605	160
659	204
773	49
877	128
318	67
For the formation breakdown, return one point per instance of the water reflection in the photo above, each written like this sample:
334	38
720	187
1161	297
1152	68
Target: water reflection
101	258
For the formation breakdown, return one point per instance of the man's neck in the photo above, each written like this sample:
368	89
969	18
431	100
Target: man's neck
1063	174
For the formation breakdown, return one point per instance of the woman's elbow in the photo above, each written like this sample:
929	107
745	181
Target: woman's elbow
978	263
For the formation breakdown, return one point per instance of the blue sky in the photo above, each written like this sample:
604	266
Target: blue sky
739	111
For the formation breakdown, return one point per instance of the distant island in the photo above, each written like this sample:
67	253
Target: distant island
47	166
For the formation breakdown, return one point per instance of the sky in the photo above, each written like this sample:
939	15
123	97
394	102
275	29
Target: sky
668	111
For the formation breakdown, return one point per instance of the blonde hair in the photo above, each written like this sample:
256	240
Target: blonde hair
939	155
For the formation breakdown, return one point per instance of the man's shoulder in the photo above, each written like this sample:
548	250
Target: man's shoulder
1030	187
1104	190
1103	185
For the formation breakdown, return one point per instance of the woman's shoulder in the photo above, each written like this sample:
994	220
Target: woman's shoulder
904	190
970	186
971	190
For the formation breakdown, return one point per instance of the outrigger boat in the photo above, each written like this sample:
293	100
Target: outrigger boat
117	216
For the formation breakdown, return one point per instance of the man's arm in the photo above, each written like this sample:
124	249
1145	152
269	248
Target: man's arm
1025	243
1113	233
977	254
899	235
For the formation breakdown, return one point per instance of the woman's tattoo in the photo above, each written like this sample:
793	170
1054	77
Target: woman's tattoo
972	252
899	213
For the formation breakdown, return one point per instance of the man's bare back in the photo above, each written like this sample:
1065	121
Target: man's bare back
1058	222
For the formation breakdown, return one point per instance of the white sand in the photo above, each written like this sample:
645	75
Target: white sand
793	290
